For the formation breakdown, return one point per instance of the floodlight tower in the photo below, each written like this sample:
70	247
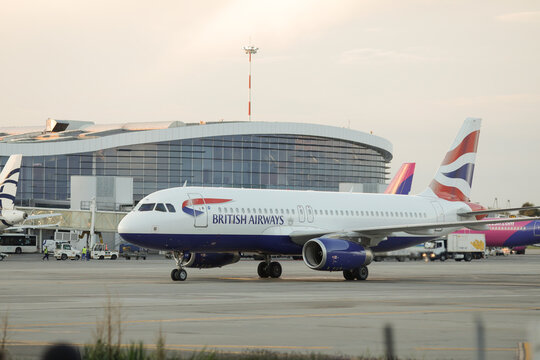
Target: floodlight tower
250	50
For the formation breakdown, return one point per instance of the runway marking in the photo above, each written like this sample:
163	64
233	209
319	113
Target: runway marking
462	349
276	317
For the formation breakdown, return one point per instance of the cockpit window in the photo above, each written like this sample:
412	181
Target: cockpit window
171	207
147	207
160	207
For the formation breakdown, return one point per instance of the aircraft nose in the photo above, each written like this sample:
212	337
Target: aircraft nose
123	225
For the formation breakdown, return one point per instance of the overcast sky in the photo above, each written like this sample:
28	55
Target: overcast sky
410	71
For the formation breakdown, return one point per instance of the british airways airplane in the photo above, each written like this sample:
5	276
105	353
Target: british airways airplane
333	231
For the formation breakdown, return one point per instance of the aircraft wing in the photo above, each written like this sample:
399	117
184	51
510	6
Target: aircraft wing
42	216
301	236
22	227
472	224
496	211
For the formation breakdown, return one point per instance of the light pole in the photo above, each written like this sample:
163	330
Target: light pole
250	50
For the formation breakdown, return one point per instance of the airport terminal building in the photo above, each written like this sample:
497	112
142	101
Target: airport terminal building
159	155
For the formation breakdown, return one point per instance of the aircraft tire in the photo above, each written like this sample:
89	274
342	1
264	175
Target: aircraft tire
274	269
361	273
174	273
348	274
262	270
182	275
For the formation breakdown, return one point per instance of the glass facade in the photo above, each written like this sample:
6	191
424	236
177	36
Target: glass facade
248	161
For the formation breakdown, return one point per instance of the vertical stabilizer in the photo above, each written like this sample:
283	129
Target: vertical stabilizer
453	180
402	181
9	178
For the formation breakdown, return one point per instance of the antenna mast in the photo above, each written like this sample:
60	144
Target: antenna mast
250	49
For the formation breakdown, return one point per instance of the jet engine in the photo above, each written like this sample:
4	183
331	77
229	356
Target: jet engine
335	254
13	216
209	260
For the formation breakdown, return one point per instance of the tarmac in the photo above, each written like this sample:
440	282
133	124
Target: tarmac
433	308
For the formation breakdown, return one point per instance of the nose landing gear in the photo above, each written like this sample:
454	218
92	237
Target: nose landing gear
178	274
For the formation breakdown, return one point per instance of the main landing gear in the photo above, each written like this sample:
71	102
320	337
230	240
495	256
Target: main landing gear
269	268
360	273
178	274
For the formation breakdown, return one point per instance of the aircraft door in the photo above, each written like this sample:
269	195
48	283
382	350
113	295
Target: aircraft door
200	214
537	228
309	213
439	212
301	213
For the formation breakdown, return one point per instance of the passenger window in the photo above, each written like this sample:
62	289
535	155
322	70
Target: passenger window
172	209
147	207
287	211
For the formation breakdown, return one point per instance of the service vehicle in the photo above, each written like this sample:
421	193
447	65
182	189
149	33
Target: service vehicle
411	253
18	243
64	251
100	252
458	247
129	251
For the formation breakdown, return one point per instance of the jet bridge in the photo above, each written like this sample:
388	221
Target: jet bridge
81	220
78	220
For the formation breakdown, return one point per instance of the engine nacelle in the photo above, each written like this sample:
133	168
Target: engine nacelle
14	216
209	260
335	254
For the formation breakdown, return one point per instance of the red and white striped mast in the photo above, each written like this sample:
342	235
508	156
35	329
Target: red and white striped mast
250	50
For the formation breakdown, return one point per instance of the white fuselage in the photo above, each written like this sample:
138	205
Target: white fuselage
254	216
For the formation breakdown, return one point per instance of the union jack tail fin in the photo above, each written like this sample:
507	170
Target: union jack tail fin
9	178
402	181
453	180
